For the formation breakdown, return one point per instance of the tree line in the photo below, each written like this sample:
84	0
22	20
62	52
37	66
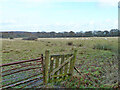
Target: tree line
105	33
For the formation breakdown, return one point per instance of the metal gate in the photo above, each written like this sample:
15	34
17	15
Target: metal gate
22	74
35	73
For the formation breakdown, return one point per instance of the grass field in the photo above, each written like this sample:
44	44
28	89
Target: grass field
96	57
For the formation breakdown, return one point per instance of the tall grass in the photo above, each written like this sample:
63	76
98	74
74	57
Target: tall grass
105	46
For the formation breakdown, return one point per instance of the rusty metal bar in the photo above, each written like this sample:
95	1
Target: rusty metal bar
20	71
18	68
43	67
32	82
21	80
42	59
8	64
37	85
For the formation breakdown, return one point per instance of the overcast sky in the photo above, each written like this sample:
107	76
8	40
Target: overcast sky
58	15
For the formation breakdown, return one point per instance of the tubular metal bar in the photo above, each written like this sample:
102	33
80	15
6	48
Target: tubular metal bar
20	71
21	83
42	66
8	64
32	82
19	67
37	85
21	80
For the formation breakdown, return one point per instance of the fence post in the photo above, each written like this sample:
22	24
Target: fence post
72	63
51	67
43	67
46	63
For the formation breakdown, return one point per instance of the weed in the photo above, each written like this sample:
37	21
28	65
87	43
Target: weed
103	47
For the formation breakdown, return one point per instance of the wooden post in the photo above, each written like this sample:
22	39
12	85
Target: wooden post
51	66
46	63
72	63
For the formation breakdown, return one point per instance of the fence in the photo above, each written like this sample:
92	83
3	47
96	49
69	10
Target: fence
37	72
21	74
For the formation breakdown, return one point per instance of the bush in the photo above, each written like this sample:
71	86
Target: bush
30	38
70	43
11	38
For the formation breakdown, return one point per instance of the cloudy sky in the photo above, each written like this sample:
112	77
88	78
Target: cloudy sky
58	15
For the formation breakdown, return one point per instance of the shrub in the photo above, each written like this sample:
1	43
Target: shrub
70	43
11	38
48	42
30	38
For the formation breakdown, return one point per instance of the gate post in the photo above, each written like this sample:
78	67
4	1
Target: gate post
42	66
46	63
72	63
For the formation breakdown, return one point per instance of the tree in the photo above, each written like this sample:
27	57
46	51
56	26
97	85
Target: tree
105	33
52	34
71	33
114	32
99	33
88	34
79	34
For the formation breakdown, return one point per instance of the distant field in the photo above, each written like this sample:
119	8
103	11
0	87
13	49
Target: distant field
96	56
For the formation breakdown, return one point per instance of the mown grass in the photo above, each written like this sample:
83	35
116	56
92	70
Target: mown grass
96	57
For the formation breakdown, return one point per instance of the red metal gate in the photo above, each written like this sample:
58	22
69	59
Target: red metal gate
22	74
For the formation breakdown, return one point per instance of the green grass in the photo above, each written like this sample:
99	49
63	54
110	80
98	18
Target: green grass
96	57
